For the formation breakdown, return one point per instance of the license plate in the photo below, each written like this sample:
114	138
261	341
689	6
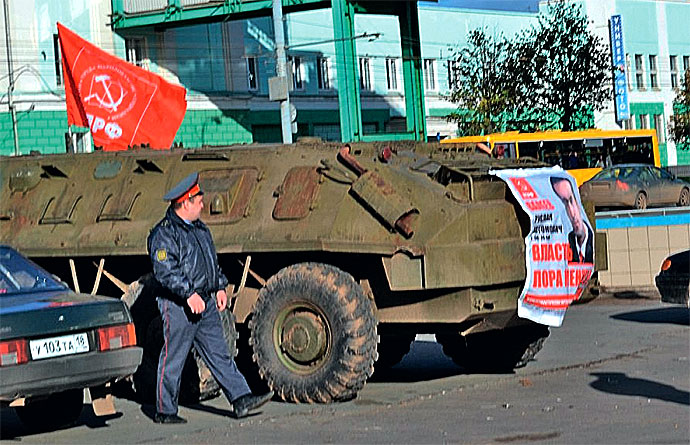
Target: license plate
57	346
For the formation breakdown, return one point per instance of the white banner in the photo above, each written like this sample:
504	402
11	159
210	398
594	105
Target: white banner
559	249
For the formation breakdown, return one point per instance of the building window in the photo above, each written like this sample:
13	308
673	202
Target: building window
365	73
644	121
686	64
659	127
673	63
628	124
628	71
58	60
639	72
135	51
453	77
323	71
392	74
77	142
430	74
252	73
296	72
653	74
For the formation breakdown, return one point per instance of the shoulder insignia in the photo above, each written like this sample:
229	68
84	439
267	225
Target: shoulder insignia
161	255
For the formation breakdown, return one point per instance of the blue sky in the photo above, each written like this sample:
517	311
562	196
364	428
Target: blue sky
505	5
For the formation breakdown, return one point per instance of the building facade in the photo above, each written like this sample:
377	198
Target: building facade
656	39
225	67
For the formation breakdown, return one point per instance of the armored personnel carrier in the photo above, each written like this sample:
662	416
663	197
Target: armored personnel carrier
338	255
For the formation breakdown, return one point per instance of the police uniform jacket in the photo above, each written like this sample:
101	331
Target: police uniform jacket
184	259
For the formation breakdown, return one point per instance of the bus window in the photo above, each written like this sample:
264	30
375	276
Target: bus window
633	150
529	149
500	151
505	150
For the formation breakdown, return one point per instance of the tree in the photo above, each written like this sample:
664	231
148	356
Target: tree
481	89
564	70
680	120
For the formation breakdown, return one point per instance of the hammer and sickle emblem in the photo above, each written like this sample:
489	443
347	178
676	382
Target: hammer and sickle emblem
106	100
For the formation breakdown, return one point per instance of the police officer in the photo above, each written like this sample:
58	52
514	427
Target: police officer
193	292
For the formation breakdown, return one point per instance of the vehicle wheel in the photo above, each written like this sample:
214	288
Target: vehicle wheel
59	409
245	361
641	201
313	333
684	198
392	348
495	351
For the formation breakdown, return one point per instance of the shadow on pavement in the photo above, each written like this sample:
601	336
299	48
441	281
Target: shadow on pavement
11	428
425	361
621	384
679	315
213	410
635	295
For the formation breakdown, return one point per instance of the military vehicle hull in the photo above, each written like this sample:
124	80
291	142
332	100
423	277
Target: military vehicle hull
338	255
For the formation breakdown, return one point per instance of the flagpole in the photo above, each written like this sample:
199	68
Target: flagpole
10	69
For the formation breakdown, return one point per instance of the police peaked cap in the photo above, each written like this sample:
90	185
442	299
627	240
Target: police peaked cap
184	189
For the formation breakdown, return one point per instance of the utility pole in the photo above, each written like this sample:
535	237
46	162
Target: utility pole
281	72
10	70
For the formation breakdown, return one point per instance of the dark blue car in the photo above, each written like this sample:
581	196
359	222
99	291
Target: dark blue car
55	342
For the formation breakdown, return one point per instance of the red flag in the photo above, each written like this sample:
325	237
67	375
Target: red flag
123	105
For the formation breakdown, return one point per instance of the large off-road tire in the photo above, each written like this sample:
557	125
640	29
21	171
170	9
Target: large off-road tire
313	334
59	409
684	197
392	348
641	201
494	351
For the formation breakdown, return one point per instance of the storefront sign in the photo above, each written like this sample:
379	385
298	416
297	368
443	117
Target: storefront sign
620	83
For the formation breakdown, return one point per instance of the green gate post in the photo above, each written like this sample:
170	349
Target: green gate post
410	42
347	72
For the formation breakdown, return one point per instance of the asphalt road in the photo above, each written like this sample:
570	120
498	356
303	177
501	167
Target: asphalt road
617	371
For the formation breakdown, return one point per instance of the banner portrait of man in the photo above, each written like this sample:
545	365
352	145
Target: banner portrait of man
581	237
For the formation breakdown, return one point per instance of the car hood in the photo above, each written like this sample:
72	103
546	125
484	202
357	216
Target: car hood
38	314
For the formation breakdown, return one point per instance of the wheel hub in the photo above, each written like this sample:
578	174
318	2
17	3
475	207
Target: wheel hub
303	337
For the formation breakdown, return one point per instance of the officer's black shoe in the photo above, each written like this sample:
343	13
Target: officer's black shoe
168	418
249	402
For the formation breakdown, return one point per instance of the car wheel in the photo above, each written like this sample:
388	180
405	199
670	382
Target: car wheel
641	201
313	333
684	198
59	409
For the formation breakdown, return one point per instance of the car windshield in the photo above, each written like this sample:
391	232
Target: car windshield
19	275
